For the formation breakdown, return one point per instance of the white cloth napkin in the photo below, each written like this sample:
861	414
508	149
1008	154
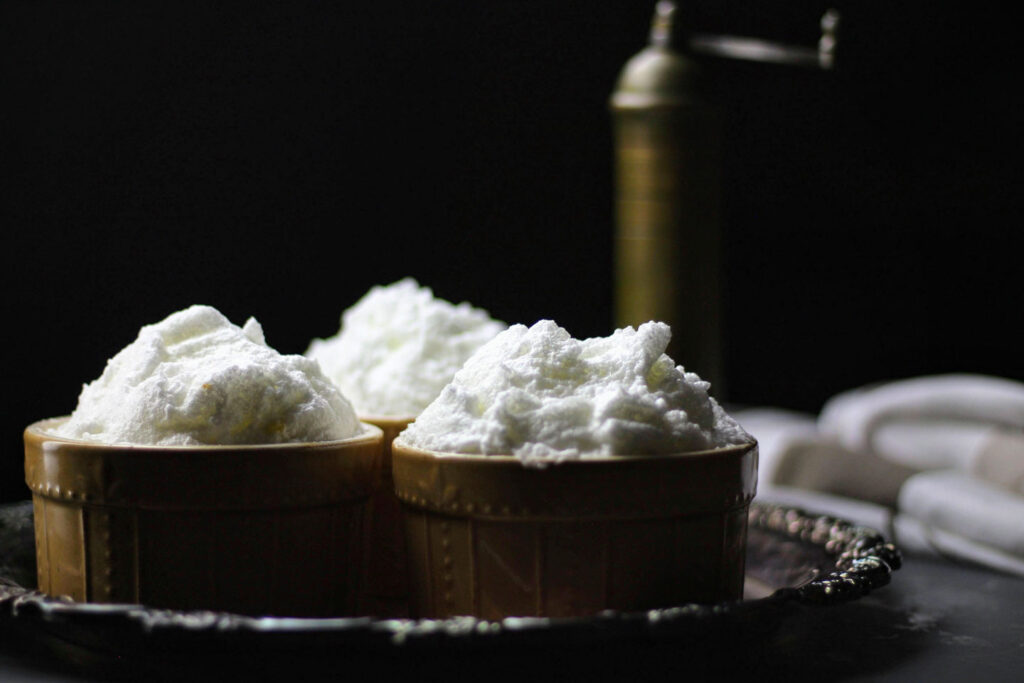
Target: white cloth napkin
913	535
775	429
942	455
929	422
1000	461
792	453
966	506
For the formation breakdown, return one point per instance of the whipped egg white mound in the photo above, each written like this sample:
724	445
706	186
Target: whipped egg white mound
197	379
543	396
399	346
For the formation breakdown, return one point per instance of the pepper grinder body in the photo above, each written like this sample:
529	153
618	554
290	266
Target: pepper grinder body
668	252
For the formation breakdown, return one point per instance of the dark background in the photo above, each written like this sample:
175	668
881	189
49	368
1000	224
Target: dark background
278	159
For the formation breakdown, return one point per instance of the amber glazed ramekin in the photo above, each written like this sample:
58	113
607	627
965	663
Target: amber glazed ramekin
256	529
385	575
491	538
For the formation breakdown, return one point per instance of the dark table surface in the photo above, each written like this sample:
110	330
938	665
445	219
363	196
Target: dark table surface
936	621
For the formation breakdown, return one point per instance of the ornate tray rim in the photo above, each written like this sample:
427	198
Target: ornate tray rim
859	561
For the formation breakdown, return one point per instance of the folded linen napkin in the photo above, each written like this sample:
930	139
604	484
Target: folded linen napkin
1000	461
793	453
968	507
944	455
929	422
775	429
912	535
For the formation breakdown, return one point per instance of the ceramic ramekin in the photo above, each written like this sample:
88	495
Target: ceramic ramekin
386	579
255	529
491	538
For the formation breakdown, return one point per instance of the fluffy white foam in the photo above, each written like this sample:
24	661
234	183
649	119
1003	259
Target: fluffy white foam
543	396
195	378
399	346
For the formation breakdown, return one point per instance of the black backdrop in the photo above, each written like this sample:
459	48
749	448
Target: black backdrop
276	159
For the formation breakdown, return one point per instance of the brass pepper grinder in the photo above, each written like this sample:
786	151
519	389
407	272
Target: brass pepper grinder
668	251
667	242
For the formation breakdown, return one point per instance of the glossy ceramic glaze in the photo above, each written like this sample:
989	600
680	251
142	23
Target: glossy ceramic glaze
491	538
261	529
386	585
